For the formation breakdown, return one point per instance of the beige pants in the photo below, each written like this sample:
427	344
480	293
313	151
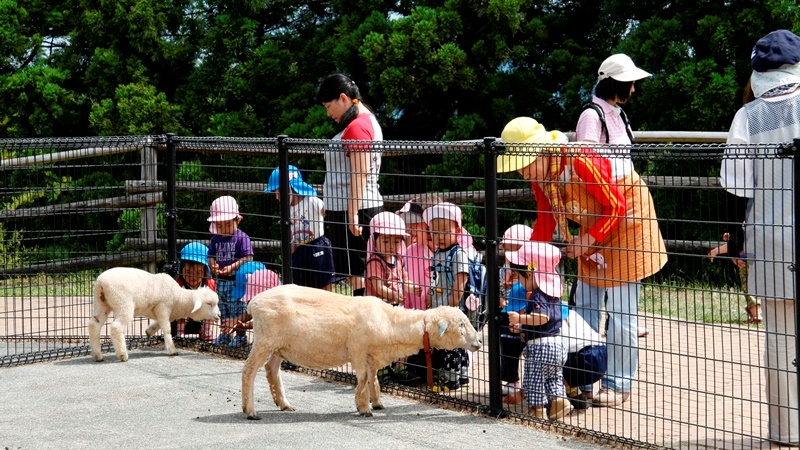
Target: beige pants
779	353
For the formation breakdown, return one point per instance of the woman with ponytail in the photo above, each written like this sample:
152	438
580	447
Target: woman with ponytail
351	180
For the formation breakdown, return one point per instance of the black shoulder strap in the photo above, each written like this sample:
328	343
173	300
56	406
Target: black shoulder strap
599	111
627	125
604	127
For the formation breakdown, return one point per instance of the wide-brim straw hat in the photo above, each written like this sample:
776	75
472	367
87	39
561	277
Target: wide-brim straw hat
525	130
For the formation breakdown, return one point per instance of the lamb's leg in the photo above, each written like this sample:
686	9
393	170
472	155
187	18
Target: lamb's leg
273	368
95	324
118	328
362	388
258	356
162	321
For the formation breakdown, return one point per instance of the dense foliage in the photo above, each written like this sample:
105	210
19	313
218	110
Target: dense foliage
444	70
432	70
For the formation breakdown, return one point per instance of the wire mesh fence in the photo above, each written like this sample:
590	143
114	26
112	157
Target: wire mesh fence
686	344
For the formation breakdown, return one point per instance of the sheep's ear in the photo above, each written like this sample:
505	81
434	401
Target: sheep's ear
442	327
198	302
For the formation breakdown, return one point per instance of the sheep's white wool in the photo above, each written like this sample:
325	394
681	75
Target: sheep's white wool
129	292
320	329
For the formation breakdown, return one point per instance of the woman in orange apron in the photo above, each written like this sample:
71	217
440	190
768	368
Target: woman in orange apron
619	242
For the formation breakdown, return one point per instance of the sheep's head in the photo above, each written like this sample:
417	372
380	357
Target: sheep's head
450	328
206	305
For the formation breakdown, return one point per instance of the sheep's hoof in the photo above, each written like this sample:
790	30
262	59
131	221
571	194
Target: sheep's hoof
253	417
287	408
378	406
123	358
365	413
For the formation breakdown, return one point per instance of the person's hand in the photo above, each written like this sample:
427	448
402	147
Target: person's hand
503	302
229	325
225	271
353	226
214	268
740	263
714	252
513	319
418	290
579	246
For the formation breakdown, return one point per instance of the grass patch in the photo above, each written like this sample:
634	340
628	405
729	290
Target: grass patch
707	304
49	285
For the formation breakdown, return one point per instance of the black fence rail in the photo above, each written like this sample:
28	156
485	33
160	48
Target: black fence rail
75	207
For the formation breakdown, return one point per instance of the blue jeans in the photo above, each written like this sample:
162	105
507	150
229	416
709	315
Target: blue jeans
622	340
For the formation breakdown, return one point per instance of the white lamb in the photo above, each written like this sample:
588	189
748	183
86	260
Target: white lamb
320	329
130	292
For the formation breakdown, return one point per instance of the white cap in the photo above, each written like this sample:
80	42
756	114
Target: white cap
621	68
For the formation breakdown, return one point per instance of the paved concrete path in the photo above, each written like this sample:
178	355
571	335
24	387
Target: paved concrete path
193	400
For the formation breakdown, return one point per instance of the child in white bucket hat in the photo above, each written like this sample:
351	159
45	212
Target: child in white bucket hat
540	328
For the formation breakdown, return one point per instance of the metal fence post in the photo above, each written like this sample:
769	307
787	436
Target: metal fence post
286	222
784	152
795	147
492	277
148	215
171	210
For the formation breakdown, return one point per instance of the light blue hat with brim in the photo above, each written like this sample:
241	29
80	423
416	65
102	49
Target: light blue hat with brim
195	252
296	182
240	288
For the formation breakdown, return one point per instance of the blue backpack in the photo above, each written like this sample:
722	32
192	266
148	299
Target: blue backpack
476	286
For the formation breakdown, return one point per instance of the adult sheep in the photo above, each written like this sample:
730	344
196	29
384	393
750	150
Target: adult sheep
320	329
132	292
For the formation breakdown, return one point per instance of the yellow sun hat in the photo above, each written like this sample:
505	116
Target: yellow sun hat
528	131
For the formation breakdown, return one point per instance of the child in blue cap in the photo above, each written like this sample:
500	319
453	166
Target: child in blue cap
312	254
194	273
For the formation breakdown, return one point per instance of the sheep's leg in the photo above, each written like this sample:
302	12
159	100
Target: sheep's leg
118	328
374	388
362	388
151	330
256	359
95	324
273	368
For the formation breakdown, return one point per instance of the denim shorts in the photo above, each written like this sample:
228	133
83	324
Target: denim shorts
229	308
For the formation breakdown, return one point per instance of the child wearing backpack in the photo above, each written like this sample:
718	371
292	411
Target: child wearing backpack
449	275
540	327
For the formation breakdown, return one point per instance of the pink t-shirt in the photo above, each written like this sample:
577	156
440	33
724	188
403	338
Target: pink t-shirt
418	263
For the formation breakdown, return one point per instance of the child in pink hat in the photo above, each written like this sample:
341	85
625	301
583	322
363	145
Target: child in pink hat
228	249
257	282
386	276
418	256
449	276
540	327
512	298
